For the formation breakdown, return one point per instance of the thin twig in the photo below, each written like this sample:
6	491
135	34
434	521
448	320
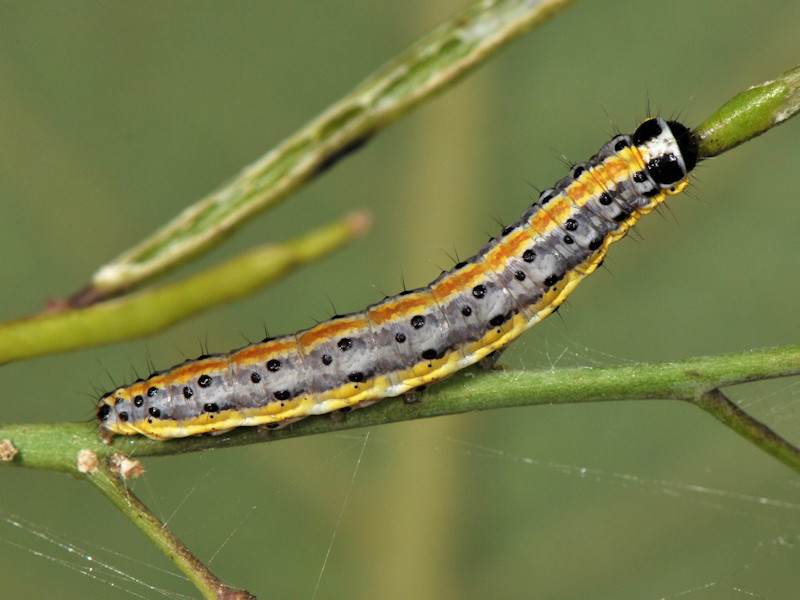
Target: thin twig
114	488
721	408
156	308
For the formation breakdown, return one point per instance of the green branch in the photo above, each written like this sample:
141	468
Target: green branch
156	308
428	67
750	113
45	446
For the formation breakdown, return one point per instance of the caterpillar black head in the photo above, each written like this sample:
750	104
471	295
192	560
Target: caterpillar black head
670	150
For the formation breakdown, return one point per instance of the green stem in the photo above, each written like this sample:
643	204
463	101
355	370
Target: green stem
718	405
201	576
750	113
432	64
154	309
44	446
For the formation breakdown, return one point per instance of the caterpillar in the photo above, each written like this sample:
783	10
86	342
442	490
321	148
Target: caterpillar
424	335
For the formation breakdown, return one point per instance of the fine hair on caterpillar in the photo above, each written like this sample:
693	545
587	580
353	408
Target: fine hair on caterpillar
423	335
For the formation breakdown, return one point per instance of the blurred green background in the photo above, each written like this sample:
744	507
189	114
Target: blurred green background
117	115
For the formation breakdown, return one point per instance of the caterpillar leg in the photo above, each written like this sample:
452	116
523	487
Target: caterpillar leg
415	395
489	362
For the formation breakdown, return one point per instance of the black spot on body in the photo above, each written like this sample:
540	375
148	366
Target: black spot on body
546	196
466	311
345	344
282	395
103	411
568	239
653	191
400	338
551	280
460	265
327	359
255	377
620	144
154	412
640	177
595	243
123	415
211	407
204	381
273	425
138	401
519	275
188	392
418	322
479	291
529	256
605	199
152	391
429	354
622	216
356	377
273	365
507	230
577	171
570	225
498	320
